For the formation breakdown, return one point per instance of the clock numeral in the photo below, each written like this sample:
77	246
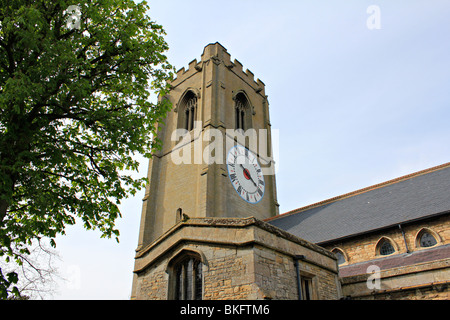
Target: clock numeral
239	189
260	192
260	182
233	177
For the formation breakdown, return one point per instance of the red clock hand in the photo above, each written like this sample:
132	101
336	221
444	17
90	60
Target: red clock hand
247	174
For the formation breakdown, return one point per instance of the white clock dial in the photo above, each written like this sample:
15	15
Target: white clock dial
245	174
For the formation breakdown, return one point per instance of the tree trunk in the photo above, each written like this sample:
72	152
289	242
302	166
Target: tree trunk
3	208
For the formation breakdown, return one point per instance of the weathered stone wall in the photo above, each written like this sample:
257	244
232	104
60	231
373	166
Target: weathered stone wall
420	273
276	276
242	259
363	248
426	281
153	283
229	274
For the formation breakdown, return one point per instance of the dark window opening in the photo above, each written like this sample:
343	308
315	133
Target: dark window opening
190	113
241	110
188	273
306	288
427	240
386	248
179	215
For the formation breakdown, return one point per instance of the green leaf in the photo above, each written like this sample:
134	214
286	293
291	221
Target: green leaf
12	277
73	111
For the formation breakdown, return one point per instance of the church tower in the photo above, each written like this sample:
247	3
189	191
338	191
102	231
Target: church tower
211	185
216	157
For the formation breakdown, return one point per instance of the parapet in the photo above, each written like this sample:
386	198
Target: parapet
218	54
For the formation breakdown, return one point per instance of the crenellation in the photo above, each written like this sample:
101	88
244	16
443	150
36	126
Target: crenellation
260	83
238	67
250	75
183	73
192	64
218	54
180	71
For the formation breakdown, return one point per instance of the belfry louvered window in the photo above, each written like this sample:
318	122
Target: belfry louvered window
240	115
190	113
241	112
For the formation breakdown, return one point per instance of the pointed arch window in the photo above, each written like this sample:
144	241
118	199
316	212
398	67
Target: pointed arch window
187	111
385	247
426	238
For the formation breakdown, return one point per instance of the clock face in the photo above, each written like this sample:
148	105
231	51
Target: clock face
245	174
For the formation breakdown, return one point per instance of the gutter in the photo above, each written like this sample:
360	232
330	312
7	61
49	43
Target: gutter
404	237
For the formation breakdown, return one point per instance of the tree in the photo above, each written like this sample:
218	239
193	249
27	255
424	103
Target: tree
75	84
36	272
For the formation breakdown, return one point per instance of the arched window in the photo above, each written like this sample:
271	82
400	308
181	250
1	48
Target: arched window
340	256
385	247
188	273
426	238
242	112
187	111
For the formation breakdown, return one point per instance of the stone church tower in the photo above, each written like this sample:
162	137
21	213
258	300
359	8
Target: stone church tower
214	103
210	186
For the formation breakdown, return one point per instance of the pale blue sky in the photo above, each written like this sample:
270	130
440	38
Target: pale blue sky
353	106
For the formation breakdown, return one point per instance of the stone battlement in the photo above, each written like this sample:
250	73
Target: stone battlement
217	54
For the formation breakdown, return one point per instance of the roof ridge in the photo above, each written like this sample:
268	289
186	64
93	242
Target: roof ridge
361	191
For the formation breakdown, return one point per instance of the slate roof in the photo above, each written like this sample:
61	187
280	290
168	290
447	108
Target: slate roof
416	196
